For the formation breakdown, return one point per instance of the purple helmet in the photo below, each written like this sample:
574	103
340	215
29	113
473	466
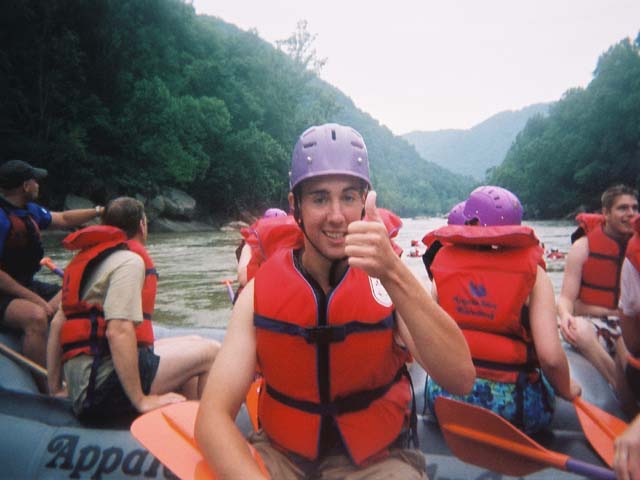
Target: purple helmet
493	206
274	212
456	215
329	149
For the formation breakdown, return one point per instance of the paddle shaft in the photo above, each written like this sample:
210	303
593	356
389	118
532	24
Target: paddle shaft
11	353
229	290
47	262
548	457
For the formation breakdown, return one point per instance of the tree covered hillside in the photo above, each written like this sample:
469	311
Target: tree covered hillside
589	141
131	96
472	152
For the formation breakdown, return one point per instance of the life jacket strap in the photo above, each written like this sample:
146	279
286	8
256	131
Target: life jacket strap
323	334
341	405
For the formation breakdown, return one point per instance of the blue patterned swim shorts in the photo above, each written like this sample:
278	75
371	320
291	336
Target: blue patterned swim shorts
529	406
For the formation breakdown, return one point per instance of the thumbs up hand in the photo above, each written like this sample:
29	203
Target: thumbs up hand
367	243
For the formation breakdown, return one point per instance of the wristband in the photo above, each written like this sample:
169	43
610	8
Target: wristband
99	211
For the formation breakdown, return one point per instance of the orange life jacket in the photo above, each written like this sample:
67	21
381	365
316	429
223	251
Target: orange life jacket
587	222
600	283
85	327
268	235
330	357
484	276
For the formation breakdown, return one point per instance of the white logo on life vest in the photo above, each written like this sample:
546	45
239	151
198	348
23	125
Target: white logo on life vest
379	293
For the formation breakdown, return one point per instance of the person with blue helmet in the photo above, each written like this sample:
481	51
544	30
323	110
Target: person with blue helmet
331	326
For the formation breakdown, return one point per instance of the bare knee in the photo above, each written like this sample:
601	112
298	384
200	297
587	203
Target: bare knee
210	349
33	320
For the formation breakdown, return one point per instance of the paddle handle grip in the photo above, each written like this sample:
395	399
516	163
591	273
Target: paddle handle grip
47	262
589	470
229	289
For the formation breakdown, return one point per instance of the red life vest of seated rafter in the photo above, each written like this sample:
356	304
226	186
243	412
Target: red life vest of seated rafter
600	283
84	330
328	356
484	276
268	235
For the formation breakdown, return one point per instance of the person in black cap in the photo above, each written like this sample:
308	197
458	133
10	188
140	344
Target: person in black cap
27	304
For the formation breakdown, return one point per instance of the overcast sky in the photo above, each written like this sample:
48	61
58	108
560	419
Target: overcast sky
430	65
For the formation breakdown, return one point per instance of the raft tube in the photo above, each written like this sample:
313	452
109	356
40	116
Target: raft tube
44	440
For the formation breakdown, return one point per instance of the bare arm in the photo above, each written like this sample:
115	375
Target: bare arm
243	261
545	337
121	336
73	218
220	440
54	354
570	290
438	343
630	307
626	461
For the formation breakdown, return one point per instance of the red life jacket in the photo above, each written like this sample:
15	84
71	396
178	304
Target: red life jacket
484	276
328	356
587	222
85	327
268	235
600	283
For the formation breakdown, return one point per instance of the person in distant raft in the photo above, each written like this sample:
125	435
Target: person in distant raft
27	304
588	301
489	277
103	336
331	326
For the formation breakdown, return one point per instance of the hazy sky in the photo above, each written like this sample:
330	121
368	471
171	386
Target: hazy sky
430	65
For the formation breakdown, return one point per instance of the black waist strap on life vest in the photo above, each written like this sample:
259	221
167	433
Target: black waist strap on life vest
322	334
353	402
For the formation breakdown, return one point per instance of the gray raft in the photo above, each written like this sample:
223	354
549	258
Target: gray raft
43	439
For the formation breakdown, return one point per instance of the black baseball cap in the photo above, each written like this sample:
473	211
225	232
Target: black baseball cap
14	172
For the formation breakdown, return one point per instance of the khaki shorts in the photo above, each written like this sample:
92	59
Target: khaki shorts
401	464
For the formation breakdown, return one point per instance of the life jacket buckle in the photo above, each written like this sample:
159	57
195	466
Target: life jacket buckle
326	334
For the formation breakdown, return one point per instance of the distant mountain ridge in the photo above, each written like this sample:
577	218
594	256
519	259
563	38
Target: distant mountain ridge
472	152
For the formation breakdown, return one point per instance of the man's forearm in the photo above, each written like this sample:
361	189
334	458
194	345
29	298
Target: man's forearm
565	307
124	353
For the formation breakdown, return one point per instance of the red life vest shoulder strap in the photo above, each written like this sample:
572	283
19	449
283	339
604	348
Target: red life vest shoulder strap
516	236
93	235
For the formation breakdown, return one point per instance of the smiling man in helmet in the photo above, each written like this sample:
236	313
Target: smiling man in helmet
331	326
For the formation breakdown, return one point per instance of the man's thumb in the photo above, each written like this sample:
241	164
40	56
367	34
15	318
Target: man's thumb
370	209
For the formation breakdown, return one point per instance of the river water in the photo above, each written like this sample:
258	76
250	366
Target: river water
194	266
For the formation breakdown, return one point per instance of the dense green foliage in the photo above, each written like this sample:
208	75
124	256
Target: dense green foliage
473	151
131	96
589	141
